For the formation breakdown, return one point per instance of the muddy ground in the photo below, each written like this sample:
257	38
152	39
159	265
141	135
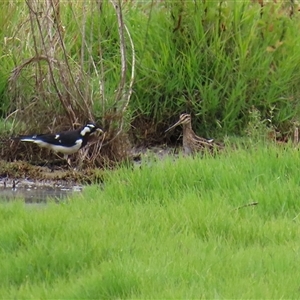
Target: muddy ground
35	182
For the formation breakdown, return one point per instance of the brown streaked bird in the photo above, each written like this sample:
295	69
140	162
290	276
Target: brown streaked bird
191	142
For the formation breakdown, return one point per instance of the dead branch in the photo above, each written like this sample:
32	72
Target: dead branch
70	112
62	45
118	9
129	89
296	135
17	70
121	95
246	205
84	44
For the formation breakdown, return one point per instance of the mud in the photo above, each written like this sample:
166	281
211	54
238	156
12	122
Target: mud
36	184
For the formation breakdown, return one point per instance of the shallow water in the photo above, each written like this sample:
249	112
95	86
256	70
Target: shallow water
36	191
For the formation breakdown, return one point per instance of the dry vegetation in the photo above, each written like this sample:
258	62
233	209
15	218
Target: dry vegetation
50	91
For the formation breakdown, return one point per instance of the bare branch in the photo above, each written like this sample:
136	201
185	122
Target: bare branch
67	107
130	88
129	93
118	8
62	44
101	81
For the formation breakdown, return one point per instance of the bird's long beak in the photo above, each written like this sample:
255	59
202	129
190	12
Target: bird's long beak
173	126
99	130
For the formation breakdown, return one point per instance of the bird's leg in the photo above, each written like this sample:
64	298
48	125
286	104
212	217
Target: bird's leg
67	158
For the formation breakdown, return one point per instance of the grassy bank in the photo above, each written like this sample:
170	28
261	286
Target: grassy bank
168	229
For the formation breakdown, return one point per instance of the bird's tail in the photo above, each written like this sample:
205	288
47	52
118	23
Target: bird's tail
24	138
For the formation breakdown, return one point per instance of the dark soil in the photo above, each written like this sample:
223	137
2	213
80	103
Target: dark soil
21	170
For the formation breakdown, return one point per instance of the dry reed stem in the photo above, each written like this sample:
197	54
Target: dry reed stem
49	44
121	94
17	70
247	205
51	34
96	149
118	9
95	69
296	135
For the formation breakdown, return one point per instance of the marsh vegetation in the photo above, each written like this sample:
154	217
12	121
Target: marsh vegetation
223	226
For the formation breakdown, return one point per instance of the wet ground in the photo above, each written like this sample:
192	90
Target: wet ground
35	184
34	191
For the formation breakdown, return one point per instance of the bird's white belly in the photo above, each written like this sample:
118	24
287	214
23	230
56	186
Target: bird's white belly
61	149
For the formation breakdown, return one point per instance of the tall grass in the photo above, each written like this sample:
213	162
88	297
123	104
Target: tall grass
169	229
216	60
223	59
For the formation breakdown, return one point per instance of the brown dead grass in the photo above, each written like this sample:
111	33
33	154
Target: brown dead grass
100	153
24	170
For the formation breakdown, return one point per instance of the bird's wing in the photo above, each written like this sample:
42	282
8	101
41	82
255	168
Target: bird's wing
207	143
203	142
65	138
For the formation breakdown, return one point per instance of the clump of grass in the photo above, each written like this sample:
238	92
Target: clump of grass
168	229
259	130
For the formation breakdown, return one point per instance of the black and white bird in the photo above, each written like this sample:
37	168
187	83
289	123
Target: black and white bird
65	142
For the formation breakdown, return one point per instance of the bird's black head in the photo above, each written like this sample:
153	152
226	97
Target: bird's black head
89	128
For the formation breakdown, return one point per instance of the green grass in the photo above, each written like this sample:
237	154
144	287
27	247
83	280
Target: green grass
168	229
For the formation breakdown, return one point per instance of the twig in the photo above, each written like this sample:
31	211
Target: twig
17	70
246	205
62	44
66	106
84	43
132	70
118	8
296	135
85	151
130	87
